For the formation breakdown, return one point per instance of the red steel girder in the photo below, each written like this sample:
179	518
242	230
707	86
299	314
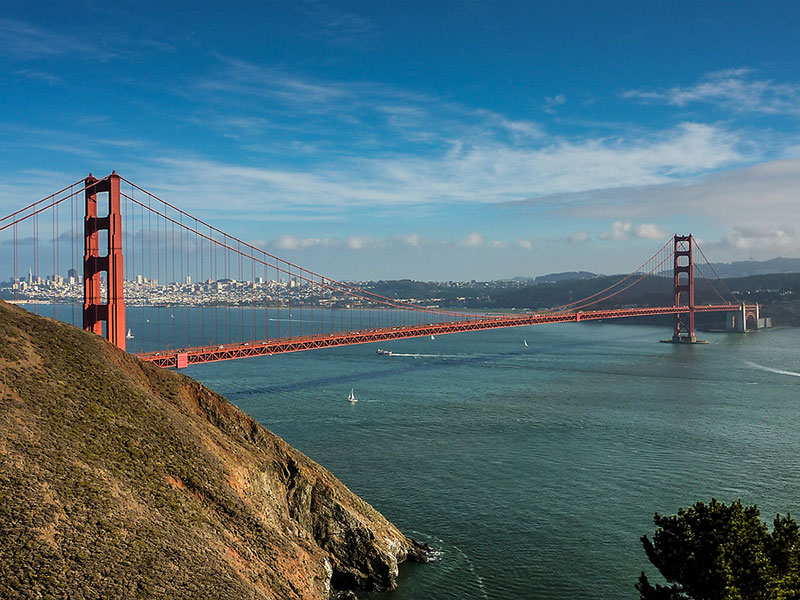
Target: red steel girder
203	354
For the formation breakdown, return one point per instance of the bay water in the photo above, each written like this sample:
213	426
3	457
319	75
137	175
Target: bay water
534	470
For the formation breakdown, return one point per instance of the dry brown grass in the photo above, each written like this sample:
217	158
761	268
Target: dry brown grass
119	479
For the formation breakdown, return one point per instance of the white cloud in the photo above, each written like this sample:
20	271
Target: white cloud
763	238
465	174
477	240
754	241
522	128
412	239
735	89
473	240
649	231
409	148
363	242
292	242
623	230
577	237
353	242
620	230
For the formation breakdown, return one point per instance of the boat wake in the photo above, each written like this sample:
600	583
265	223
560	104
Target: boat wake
771	370
293	320
415	355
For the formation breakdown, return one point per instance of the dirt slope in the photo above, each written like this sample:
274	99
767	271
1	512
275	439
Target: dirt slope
122	480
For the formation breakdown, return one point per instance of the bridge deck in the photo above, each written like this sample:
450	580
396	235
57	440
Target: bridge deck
184	357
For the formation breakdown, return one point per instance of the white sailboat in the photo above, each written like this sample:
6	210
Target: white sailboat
352	397
129	335
525	342
433	338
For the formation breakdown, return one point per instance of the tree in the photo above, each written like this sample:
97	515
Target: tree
719	552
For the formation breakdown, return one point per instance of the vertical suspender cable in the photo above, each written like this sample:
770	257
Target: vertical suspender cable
36	262
55	259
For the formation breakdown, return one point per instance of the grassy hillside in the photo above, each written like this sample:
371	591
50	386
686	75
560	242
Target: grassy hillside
122	480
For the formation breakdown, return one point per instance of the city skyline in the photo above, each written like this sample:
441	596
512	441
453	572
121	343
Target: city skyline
459	141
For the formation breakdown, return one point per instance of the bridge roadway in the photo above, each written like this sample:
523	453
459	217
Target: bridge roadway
184	357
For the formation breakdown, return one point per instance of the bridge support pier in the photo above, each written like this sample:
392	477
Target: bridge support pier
95	311
746	319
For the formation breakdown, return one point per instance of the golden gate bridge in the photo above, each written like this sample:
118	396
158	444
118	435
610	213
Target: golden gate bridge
195	294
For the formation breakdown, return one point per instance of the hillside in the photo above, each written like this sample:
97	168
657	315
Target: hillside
122	480
747	268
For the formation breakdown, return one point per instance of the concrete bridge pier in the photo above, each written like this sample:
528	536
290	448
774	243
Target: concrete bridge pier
746	319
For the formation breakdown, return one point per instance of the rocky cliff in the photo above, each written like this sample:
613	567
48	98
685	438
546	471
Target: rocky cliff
122	480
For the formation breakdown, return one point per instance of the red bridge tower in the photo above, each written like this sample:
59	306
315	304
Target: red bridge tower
95	311
683	284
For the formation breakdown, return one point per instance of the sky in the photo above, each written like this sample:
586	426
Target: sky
445	140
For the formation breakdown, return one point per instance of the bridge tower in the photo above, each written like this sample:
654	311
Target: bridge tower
95	311
683	284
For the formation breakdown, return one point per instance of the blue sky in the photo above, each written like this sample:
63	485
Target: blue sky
429	140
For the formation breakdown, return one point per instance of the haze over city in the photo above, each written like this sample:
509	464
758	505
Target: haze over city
459	140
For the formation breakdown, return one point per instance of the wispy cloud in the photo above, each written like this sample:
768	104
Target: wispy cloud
474	174
737	90
368	116
553	102
21	40
42	76
329	23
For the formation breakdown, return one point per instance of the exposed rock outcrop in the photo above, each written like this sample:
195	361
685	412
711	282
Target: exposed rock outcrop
119	479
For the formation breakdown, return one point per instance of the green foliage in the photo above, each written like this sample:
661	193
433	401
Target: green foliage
719	552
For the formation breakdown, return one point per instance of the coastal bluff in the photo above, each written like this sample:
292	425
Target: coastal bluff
122	480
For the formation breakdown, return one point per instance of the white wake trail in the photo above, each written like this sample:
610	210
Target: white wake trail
771	370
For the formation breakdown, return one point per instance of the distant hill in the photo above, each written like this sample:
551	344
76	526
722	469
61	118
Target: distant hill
566	276
121	480
747	268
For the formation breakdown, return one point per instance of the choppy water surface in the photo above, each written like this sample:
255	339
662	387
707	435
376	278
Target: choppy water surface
536	469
